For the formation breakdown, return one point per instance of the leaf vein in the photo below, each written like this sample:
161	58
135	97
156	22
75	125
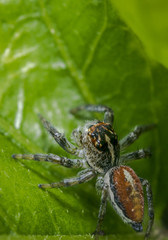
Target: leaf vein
96	41
17	137
75	73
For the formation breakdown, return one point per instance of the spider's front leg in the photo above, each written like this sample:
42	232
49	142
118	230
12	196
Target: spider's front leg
108	112
59	138
133	136
150	206
85	177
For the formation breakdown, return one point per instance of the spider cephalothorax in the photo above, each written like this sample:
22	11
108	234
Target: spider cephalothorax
99	148
102	134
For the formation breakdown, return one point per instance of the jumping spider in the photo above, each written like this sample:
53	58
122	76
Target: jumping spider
99	151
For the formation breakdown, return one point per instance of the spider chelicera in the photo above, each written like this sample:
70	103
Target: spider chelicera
98	150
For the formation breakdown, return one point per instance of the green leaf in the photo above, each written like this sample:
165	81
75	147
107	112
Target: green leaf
56	55
72	237
148	19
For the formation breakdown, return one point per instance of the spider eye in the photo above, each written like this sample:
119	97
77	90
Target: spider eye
98	133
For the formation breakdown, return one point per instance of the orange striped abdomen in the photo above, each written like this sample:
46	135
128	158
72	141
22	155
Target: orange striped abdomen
128	193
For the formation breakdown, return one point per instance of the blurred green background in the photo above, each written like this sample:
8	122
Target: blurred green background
55	55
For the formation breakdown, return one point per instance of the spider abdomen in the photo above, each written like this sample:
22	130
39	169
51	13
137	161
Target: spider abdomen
126	194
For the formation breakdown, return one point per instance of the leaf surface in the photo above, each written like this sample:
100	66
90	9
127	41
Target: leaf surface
55	56
148	19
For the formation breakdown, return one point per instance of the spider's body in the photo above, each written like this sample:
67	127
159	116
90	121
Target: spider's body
99	148
126	194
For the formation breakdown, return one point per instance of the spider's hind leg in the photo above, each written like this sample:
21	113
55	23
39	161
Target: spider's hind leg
102	211
85	177
108	112
150	206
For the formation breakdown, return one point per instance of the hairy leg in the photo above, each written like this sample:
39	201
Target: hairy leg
150	206
133	136
142	153
66	162
108	112
59	137
102	211
85	177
